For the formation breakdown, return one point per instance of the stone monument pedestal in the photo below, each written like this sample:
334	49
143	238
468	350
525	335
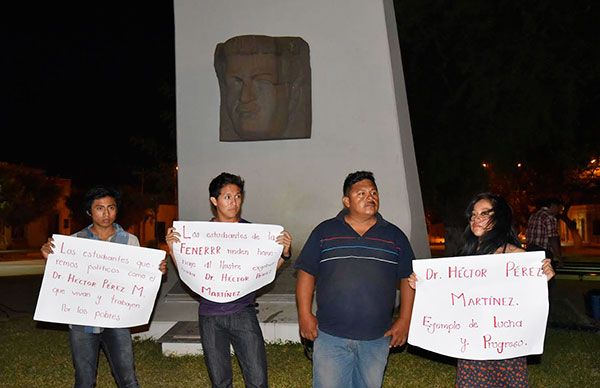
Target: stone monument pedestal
174	322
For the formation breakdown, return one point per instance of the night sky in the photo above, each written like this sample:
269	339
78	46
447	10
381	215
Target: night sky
80	80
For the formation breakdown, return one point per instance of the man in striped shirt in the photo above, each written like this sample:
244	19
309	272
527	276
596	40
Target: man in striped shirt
355	262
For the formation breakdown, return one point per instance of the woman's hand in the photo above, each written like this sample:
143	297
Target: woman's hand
412	281
547	268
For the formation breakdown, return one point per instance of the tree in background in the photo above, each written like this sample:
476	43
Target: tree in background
156	166
503	96
25	195
153	181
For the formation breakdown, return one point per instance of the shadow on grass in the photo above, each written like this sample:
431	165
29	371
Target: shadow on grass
51	326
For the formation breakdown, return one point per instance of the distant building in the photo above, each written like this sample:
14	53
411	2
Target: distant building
35	233
58	221
151	230
587	219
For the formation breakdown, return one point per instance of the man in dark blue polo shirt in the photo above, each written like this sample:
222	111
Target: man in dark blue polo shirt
355	262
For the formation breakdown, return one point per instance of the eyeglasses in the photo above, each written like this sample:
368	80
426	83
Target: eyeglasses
484	215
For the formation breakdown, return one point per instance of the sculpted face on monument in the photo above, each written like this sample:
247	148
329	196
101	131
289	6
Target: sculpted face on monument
265	88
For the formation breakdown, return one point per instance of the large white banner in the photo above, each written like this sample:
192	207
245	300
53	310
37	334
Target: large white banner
481	307
223	261
98	283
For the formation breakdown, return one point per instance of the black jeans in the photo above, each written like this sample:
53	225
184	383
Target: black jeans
242	331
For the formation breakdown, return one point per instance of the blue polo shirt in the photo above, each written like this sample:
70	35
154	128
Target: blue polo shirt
356	276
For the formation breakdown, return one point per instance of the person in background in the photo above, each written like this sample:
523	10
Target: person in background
542	231
102	205
490	231
355	262
232	324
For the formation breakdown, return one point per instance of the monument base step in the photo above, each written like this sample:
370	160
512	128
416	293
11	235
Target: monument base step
276	315
183	338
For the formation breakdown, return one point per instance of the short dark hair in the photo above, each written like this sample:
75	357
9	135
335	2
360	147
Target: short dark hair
223	179
98	192
356	177
547	202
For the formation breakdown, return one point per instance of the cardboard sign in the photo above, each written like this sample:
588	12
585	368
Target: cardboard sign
223	261
484	307
98	283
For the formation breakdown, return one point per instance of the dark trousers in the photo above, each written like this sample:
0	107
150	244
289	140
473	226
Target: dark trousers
551	282
241	331
117	346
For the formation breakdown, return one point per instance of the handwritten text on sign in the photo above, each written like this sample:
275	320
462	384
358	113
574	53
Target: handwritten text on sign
485	307
98	283
223	261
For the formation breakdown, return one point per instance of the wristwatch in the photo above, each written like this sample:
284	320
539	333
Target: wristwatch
286	258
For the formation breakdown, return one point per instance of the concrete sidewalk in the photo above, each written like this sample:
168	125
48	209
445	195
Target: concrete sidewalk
20	254
21	262
22	267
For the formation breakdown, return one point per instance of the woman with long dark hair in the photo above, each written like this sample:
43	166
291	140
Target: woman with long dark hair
489	231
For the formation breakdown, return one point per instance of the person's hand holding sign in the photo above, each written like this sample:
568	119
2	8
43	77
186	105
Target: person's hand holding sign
285	239
172	237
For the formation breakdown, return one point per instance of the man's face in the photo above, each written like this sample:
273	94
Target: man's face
363	199
228	203
104	211
256	101
555	209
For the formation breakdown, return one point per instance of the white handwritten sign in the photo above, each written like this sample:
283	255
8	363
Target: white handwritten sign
485	307
98	283
223	261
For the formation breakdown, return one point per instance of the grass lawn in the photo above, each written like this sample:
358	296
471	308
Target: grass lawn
37	355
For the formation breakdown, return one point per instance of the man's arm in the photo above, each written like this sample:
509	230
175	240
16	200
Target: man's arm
305	287
556	250
399	329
